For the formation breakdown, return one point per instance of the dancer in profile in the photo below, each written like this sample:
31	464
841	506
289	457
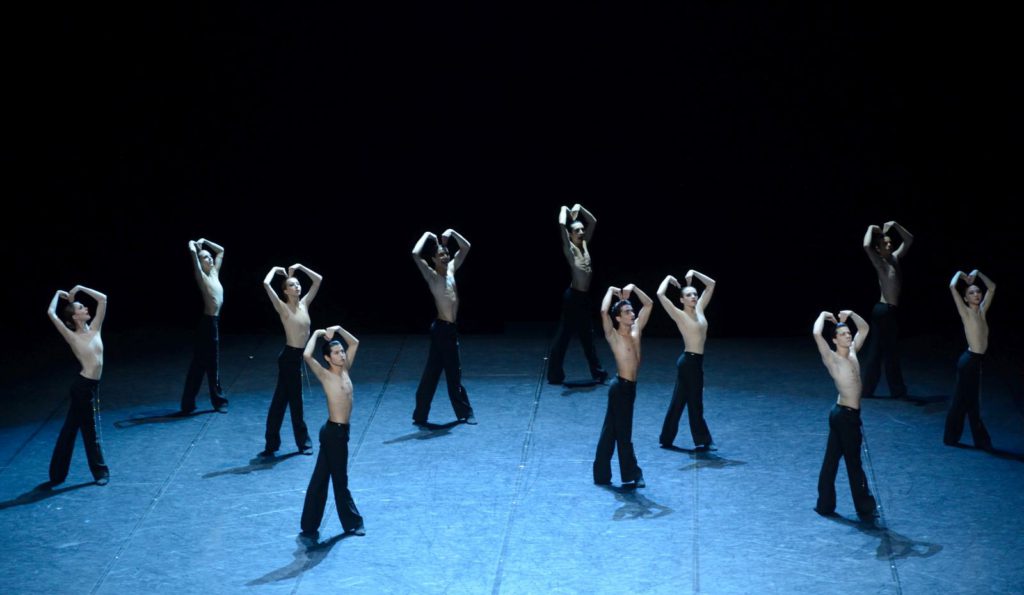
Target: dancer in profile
883	347
689	389
623	329
844	425
206	355
577	230
86	344
332	460
444	337
973	307
294	313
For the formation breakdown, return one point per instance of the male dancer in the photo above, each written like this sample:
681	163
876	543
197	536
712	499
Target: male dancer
332	460
973	308
576	313
206	355
884	344
294	313
689	389
623	329
444	337
844	426
87	345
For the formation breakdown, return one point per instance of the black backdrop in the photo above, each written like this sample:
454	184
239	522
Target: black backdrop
752	143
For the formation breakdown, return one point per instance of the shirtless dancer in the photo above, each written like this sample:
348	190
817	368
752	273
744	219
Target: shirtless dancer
294	313
844	433
884	344
444	337
622	329
206	356
332	460
87	345
973	308
577	317
689	389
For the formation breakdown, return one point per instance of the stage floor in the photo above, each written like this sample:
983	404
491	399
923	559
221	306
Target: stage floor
508	506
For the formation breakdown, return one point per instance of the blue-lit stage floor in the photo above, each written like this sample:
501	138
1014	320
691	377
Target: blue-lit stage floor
508	506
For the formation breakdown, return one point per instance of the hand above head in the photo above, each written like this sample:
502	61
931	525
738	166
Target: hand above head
844	314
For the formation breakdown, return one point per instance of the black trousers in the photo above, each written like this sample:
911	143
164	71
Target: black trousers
331	464
576	320
966	402
444	355
82	413
287	393
689	391
205	361
883	347
844	440
617	432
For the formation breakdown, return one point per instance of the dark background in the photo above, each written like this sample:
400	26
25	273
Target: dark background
752	143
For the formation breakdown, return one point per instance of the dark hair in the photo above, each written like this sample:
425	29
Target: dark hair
876	239
67	313
284	285
839	325
615	311
430	250
328	345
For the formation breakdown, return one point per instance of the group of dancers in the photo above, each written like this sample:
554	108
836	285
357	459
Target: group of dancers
621	323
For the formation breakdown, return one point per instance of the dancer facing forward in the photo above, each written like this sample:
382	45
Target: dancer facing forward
689	389
623	329
844	425
577	317
294	313
883	346
87	345
973	307
206	353
444	336
332	460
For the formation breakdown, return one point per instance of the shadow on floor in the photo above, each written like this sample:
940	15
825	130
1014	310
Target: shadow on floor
635	505
257	463
41	492
890	543
307	556
426	432
160	418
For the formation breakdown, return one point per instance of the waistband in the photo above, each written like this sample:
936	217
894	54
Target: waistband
444	322
845	408
336	424
624	381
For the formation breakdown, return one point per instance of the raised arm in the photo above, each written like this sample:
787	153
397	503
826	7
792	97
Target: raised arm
958	299
990	290
868	248
606	305
351	343
666	303
460	256
271	292
193	248
307	353
862	328
54	318
589	221
417	254
905	236
709	287
101	304
217	249
645	309
315	277
819	338
563	220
